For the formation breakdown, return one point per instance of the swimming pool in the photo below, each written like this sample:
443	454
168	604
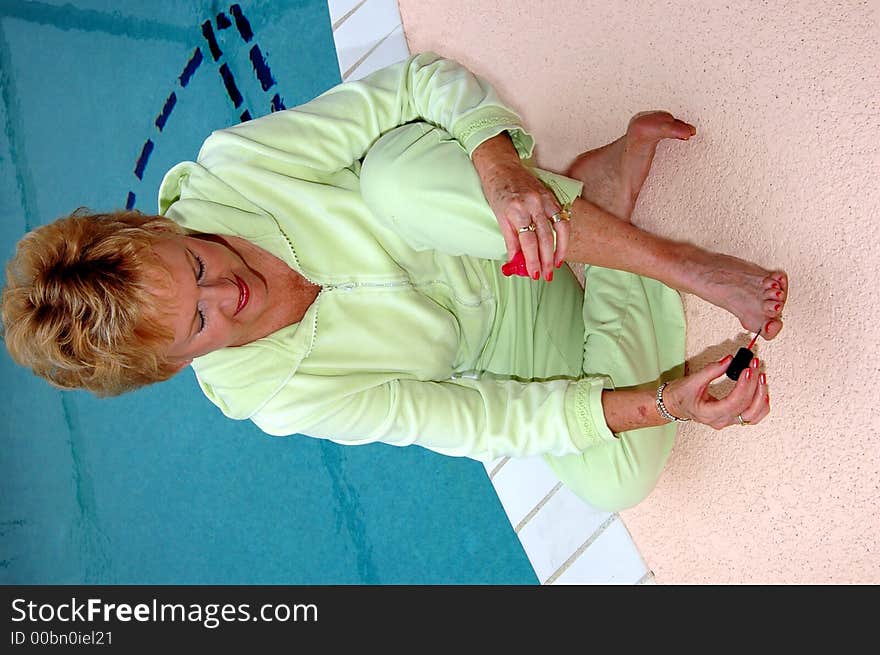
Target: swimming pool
157	487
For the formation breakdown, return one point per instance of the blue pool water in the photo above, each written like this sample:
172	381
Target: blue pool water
99	98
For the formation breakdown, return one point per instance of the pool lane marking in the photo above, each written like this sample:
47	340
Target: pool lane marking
242	24
162	118
208	33
192	65
231	88
141	164
260	66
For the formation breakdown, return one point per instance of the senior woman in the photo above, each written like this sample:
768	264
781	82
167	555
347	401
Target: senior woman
333	270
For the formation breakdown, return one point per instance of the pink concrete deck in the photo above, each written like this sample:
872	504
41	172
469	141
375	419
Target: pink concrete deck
783	172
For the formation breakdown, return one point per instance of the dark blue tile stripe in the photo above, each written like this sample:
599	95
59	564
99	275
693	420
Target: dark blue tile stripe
242	23
261	69
191	67
166	111
277	103
208	33
143	159
231	89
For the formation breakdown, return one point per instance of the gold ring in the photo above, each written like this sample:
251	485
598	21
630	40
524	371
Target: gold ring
561	215
531	227
742	421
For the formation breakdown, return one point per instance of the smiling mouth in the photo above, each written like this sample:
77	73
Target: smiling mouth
244	294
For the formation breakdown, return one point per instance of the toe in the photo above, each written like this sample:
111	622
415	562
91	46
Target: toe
772	308
683	130
771	329
775	294
779	278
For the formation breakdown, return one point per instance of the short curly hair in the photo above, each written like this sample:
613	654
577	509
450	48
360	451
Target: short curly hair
78	308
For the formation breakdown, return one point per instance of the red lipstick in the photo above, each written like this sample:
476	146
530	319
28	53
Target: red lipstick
244	294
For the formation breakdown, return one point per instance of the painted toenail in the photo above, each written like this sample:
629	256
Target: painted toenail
779	294
776	309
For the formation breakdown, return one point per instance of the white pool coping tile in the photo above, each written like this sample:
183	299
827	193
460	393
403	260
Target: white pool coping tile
390	50
340	9
562	526
521	484
363	31
611	558
567	541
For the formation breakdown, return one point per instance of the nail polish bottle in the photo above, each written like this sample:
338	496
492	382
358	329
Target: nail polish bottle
740	362
516	266
743	358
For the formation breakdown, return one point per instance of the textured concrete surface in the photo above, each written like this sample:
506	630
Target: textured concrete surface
783	172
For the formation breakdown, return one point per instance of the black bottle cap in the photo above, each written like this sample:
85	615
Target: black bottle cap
740	362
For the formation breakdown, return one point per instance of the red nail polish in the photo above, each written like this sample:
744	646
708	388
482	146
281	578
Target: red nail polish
536	275
767	327
775	285
764	379
776	308
779	294
724	359
748	374
550	276
756	362
559	264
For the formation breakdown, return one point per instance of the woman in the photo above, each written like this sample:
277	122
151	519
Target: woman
333	270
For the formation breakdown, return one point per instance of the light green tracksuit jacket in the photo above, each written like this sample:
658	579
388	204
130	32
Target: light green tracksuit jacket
415	337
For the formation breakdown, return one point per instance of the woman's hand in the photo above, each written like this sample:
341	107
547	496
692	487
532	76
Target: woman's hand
520	199
689	397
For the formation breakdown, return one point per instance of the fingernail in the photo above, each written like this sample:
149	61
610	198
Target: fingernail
764	379
756	362
550	276
748	374
559	264
536	275
724	359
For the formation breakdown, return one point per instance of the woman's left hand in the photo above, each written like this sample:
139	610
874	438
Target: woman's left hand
519	199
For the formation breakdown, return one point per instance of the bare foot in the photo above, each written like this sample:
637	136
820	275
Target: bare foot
754	295
614	174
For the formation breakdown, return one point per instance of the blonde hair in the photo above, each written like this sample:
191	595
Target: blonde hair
77	308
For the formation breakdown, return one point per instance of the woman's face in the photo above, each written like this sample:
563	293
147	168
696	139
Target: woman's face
216	299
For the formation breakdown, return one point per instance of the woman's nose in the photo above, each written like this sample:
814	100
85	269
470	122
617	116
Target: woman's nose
222	294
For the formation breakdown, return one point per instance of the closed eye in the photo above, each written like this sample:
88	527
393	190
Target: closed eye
200	275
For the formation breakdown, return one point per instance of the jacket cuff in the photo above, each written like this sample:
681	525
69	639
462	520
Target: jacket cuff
483	124
584	413
564	188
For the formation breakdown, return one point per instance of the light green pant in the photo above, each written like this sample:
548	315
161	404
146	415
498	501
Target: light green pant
630	328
